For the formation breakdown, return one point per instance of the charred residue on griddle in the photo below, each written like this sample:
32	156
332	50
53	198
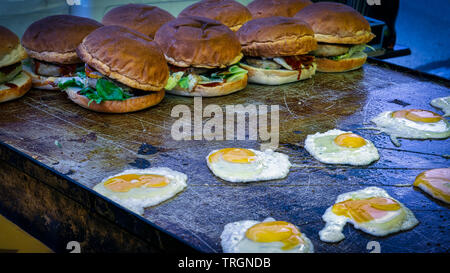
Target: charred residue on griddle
399	102
147	149
140	163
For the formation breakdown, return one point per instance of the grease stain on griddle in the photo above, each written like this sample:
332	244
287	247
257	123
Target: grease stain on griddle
91	136
140	163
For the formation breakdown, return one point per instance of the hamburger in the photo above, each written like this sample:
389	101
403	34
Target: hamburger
228	12
51	43
202	54
269	8
342	34
139	17
276	50
14	82
125	71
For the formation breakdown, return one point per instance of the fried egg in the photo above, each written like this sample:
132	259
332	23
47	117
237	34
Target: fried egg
246	165
340	147
371	210
443	104
435	182
268	236
413	124
139	188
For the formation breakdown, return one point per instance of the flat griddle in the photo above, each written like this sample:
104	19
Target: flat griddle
53	152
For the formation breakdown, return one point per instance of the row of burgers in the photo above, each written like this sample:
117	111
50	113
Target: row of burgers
213	48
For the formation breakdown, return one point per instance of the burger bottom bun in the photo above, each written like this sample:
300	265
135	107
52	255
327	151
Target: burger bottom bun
23	84
349	64
277	76
211	91
129	105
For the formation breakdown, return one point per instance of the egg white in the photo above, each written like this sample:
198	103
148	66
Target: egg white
443	104
136	199
394	221
233	240
405	128
268	165
323	148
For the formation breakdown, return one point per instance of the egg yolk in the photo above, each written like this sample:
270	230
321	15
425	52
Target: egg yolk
233	155
126	182
437	181
275	231
365	210
417	115
350	140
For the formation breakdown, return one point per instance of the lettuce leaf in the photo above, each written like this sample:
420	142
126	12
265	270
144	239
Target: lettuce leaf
70	83
105	90
233	73
173	80
353	50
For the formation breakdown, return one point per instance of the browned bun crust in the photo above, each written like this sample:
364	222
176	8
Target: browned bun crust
268	8
327	65
142	18
198	42
276	36
336	23
212	91
9	41
127	56
228	12
126	106
55	38
23	84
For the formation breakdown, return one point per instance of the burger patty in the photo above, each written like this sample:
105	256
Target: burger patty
190	70
330	50
54	70
9	72
286	62
262	63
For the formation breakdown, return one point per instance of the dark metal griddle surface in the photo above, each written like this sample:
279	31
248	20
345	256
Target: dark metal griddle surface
93	146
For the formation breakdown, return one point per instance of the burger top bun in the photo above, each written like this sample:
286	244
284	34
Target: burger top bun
228	12
11	51
198	42
127	56
55	38
336	23
142	18
268	8
276	36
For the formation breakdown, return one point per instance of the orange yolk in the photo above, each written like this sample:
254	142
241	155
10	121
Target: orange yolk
437	181
233	155
417	115
276	231
126	182
365	210
350	140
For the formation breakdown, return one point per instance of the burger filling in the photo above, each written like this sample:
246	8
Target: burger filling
53	69
8	73
338	52
298	62
189	78
98	88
